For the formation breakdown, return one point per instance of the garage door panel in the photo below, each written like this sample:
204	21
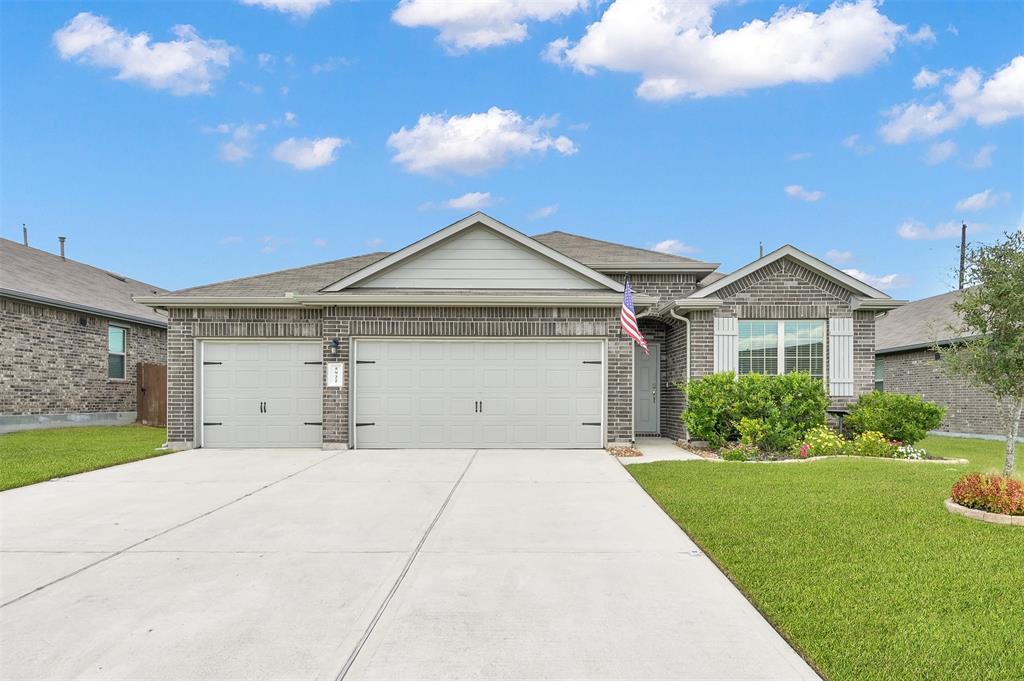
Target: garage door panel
263	393
531	393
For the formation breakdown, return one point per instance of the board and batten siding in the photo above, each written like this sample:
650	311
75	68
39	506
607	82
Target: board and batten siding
478	259
840	356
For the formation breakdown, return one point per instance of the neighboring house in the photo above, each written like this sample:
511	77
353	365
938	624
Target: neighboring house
907	361
480	336
70	338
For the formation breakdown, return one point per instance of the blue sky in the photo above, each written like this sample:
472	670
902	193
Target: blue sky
278	133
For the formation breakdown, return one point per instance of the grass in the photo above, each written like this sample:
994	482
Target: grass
32	456
858	564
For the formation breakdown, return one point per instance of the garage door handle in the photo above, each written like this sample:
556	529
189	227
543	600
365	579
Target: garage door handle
365	424
591	423
313	423
212	423
206	364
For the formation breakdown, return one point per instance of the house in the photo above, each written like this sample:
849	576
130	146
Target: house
480	336
70	339
907	361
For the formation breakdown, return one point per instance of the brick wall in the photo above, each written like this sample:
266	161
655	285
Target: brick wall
187	325
968	409
54	361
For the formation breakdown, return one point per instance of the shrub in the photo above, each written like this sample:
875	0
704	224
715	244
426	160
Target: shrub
873	443
992	493
710	408
906	418
786	406
739	451
752	431
823	441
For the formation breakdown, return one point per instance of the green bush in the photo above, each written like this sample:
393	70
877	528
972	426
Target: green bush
775	410
711	403
739	452
906	418
873	443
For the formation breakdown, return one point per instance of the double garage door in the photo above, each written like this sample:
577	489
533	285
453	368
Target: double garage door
409	394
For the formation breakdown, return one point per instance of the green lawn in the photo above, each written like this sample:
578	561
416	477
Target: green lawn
858	564
36	455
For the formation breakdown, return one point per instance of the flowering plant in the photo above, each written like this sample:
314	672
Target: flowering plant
993	493
873	443
909	452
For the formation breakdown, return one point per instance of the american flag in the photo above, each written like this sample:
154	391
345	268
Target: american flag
628	319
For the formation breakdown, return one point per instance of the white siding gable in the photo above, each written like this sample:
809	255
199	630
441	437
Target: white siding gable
478	258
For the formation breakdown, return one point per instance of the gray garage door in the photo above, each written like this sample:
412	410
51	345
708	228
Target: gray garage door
261	394
478	394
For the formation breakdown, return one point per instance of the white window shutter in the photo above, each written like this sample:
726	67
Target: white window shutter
840	357
727	349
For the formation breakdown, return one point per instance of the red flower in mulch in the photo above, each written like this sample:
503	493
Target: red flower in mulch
992	493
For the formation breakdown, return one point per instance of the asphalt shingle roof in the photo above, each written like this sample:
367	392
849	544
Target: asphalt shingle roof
39	275
921	323
594	252
312	278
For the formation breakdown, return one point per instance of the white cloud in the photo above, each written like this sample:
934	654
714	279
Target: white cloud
925	79
854	144
306	153
239	147
953	30
473	144
330	64
464	26
673	247
836	255
883	282
187	65
922	35
677	53
230	240
915	230
968	97
468	201
266	61
983	157
320	243
375	243
982	200
800	156
251	88
290	119
299	8
543	212
271	244
798	192
939	152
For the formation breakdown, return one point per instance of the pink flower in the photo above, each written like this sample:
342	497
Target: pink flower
803	452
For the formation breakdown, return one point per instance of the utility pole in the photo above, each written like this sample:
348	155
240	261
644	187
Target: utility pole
760	249
963	252
24	233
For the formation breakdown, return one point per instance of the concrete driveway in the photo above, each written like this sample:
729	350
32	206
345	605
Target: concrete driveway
366	565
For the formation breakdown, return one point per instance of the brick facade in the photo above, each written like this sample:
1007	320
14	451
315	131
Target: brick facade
53	361
189	325
969	410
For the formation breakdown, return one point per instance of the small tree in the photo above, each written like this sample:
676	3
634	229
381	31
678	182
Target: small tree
991	314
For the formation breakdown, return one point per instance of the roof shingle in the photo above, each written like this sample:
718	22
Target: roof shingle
39	275
922	323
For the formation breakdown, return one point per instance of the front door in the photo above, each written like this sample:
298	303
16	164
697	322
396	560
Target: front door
646	384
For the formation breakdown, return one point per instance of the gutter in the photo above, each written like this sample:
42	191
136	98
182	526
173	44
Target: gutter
619	268
925	346
100	312
857	303
400	300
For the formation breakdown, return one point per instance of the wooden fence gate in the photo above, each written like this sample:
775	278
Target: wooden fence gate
151	394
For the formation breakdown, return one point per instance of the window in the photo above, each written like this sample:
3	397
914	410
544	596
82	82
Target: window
782	347
116	337
879	374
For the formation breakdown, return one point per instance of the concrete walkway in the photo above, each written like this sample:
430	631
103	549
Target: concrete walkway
659	449
366	565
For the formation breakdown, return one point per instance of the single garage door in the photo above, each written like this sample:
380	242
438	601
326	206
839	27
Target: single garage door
531	394
261	394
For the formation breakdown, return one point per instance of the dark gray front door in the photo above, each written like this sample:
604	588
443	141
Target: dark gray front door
646	381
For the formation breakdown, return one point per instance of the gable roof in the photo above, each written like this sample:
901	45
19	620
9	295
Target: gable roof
831	273
456	228
608	256
38	276
921	324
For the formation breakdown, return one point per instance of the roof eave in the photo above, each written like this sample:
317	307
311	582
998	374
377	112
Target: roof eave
405	299
880	304
100	312
620	268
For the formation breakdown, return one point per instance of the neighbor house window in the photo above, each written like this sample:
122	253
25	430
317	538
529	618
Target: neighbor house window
879	374
782	347
116	337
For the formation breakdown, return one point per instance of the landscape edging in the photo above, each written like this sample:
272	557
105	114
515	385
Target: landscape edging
984	516
851	456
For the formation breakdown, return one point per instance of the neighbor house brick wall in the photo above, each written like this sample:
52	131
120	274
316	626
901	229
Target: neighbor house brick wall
968	409
190	325
54	361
